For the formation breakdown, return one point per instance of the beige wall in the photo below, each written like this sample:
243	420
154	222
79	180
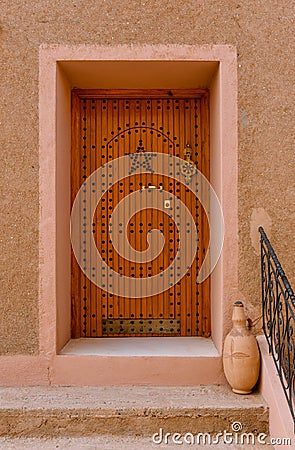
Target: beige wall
261	31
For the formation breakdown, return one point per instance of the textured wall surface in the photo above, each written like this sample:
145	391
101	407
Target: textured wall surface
262	31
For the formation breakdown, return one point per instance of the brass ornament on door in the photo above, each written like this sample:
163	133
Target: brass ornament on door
188	167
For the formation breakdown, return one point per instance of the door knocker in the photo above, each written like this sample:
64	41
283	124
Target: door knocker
188	167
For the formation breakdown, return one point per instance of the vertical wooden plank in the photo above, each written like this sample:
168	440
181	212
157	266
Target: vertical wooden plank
106	206
198	157
172	237
92	161
99	238
82	153
125	188
191	204
75	178
120	195
183	138
103	205
138	226
87	171
115	194
163	217
195	138
205	226
188	138
177	133
143	214
171	294
154	221
168	227
149	213
110	296
133	223
158	222
85	163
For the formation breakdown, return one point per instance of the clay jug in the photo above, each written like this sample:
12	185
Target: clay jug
241	358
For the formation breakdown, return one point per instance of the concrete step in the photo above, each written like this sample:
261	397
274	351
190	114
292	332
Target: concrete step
109	443
128	411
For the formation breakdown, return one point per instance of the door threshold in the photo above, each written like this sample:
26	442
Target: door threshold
142	346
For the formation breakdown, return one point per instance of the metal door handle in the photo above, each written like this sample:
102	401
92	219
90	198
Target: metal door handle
152	187
188	168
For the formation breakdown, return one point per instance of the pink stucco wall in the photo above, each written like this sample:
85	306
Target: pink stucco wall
216	65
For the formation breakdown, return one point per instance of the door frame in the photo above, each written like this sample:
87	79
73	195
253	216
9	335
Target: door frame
63	67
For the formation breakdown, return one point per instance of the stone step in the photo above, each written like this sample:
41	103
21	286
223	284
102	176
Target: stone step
128	411
109	443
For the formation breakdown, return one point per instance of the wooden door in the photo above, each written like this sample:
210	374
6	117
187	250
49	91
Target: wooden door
107	125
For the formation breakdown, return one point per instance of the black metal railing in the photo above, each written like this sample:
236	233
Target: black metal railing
278	310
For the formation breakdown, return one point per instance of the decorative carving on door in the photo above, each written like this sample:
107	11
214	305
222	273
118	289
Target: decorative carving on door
188	167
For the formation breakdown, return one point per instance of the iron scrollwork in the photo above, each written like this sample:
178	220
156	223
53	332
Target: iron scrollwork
278	309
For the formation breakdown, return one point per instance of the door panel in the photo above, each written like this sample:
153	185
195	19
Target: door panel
105	126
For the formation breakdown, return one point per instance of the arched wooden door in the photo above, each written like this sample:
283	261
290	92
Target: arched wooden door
105	126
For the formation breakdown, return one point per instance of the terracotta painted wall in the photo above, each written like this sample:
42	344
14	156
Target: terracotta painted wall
262	31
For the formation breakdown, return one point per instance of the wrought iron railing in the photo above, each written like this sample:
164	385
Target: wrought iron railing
278	309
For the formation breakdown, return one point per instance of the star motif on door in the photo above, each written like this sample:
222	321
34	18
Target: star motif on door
140	159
